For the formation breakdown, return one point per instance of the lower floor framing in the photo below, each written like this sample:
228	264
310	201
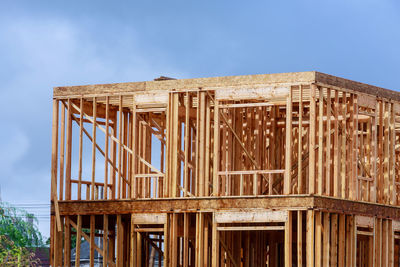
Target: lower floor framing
303	230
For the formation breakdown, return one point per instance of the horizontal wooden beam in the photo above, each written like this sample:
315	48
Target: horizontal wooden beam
251	228
291	202
182	204
149	230
251	216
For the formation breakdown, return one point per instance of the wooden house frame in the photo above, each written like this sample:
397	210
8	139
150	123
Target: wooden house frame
291	169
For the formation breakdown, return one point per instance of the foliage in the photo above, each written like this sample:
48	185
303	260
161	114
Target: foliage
18	234
15	225
12	255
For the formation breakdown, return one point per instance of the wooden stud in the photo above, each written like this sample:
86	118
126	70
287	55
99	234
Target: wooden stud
215	244
343	156
92	196
120	241
342	240
334	240
62	151
80	148
311	179
106	149
67	242
185	239
54	163
318	238
78	241
326	239
328	180
288	145
288	240
120	125
300	144
336	160
299	238
105	239
92	233
310	238
320	141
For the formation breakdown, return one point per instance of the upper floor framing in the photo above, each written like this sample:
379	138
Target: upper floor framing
273	134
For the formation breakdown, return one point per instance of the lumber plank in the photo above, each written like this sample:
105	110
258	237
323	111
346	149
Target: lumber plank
288	145
78	241
288	240
310	238
312	177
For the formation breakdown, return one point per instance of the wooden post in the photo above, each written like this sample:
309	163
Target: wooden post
105	196
54	163
92	237
174	146
326	239
215	244
342	240
334	240
185	239
288	145
311	179
216	149
62	149
120	124
186	144
318	238
288	240
320	141
80	146
328	143
299	238
67	242
78	241
92	197
120	241
167	259
343	156
300	144
105	239
310	238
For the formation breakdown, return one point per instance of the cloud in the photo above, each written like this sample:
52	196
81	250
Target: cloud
14	145
38	54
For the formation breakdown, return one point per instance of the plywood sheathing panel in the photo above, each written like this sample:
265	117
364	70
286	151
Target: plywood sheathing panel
227	81
185	84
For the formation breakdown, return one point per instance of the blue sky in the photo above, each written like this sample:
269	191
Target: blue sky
52	43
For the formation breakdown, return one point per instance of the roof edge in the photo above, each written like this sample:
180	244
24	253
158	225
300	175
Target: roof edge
330	80
319	78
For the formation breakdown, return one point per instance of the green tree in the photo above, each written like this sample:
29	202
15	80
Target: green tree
12	255
18	231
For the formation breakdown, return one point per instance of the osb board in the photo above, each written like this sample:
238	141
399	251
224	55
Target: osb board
365	221
251	216
227	81
149	218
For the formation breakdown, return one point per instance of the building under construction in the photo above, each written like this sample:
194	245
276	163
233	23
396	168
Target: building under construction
291	169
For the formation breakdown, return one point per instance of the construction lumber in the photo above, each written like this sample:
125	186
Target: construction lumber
291	169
